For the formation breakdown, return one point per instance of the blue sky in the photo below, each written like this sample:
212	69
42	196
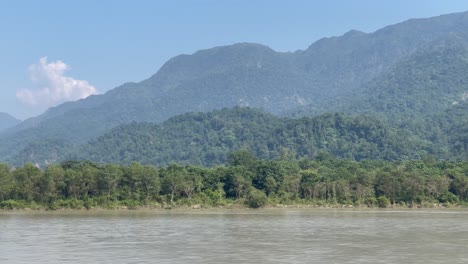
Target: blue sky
94	46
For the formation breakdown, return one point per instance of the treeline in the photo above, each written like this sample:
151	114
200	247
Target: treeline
243	181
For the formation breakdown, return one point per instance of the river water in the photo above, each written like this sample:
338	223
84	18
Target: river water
236	236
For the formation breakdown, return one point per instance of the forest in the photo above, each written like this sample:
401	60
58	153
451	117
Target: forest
244	181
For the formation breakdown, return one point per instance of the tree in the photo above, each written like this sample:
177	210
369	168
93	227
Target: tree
174	177
271	185
89	174
256	198
238	181
142	181
149	182
73	178
191	184
383	201
242	158
460	186
269	176
108	179
6	181
389	183
292	184
309	180
437	185
49	182
25	179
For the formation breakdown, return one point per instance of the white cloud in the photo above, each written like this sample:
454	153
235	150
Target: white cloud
52	86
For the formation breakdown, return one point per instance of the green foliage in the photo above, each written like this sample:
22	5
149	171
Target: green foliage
256	198
383	202
11	204
448	197
6	181
69	204
321	181
207	139
238	180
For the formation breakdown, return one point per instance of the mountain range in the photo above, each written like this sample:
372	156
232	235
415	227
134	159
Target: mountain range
408	75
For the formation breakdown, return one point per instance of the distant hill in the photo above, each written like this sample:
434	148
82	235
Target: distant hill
208	138
7	121
403	73
448	129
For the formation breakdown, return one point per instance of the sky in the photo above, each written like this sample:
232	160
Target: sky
56	51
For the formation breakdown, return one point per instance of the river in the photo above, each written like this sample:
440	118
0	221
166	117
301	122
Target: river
236	236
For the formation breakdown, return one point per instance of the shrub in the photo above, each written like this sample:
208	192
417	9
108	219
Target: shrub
70	204
383	202
448	197
371	201
10	205
130	204
256	198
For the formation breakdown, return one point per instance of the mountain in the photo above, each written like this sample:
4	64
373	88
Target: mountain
208	138
7	121
355	73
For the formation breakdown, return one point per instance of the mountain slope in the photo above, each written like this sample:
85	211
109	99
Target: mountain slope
427	82
7	121
449	129
207	139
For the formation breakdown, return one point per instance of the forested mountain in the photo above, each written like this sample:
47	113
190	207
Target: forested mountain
405	72
7	121
207	139
449	129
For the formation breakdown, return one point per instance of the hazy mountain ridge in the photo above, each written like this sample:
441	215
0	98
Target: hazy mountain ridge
7	121
427	83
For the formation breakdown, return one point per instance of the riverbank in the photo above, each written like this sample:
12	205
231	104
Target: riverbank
18	206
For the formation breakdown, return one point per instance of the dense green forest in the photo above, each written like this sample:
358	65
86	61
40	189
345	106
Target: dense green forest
207	139
243	181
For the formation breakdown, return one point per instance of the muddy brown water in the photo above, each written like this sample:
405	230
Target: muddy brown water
236	236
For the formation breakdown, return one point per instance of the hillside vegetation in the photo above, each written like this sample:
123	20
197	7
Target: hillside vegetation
208	138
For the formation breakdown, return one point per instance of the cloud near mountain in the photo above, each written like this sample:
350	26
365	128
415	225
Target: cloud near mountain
52	87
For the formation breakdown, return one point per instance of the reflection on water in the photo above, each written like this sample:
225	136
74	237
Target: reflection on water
231	236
